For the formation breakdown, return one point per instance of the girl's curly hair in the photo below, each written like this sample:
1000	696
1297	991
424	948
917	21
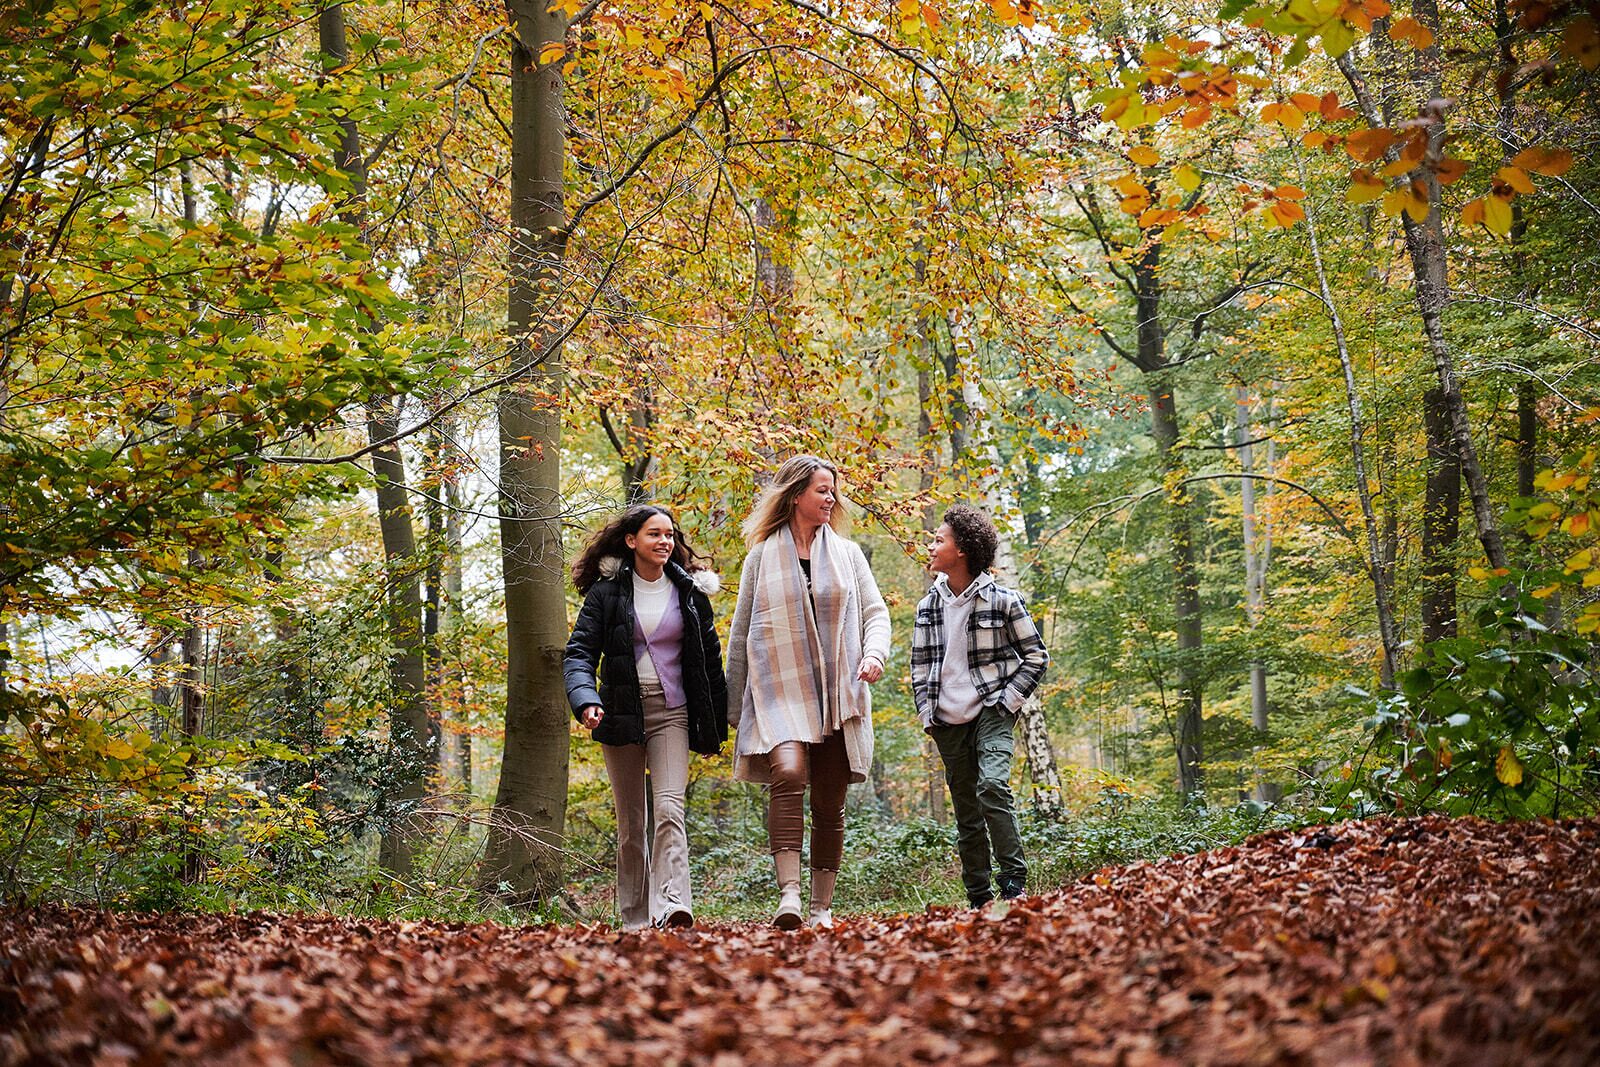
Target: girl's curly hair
612	540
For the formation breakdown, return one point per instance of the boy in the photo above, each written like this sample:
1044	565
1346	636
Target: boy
976	657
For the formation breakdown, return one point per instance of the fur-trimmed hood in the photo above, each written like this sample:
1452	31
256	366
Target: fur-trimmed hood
704	580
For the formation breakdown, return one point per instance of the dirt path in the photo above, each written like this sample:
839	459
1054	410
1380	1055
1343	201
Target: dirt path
1423	941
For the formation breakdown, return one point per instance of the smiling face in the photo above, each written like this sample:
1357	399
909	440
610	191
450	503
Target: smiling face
814	506
652	545
944	554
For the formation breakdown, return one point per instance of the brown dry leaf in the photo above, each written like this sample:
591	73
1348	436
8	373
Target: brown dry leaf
1395	941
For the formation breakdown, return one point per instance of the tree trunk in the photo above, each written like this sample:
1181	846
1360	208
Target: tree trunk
452	625
1441	521
928	448
433	594
1150	356
408	714
1388	634
1431	271
1255	578
190	651
1186	590
523	855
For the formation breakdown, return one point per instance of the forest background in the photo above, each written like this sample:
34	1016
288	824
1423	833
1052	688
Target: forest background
1269	334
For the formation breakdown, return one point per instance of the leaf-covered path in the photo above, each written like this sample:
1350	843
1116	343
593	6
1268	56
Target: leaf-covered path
1390	941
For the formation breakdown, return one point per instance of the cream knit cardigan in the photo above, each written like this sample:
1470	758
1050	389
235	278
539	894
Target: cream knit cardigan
863	631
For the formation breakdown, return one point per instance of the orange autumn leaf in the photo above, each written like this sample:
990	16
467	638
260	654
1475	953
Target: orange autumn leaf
1144	155
1581	41
1331	111
1411	31
1366	146
1286	213
1450	170
1551	162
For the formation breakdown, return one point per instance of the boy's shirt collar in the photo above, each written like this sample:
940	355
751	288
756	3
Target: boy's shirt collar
976	588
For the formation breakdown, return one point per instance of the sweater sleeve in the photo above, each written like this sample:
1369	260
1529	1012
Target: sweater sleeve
739	633
875	629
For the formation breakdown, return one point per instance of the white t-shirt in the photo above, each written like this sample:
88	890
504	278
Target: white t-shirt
959	700
650	600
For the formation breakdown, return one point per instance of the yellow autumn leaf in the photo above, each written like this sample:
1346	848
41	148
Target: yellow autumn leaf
1417	202
1477	573
1497	214
1592	579
1546	590
1576	524
120	749
552	52
1579	561
1515	177
1364	187
1507	767
1187	178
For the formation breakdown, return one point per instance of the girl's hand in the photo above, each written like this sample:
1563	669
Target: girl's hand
871	669
590	716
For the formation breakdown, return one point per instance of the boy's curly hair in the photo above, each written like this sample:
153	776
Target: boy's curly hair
975	536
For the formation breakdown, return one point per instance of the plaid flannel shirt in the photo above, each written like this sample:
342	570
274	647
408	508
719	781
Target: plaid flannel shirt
1004	651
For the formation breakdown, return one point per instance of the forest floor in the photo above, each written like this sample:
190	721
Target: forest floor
1387	941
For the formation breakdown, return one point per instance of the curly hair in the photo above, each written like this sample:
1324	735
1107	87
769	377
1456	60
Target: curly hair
975	536
612	540
775	507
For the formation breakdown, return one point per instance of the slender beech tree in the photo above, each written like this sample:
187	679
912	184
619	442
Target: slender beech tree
409	731
1429	257
523	855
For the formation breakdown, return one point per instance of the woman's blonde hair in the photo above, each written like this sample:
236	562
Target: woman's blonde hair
776	506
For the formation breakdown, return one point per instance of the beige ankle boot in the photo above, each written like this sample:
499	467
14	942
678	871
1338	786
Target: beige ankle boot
788	863
822	883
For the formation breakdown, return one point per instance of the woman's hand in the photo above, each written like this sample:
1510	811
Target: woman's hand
871	669
591	715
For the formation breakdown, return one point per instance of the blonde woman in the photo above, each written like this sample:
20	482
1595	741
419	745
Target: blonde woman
810	631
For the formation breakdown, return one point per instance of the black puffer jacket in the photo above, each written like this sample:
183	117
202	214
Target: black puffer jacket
602	645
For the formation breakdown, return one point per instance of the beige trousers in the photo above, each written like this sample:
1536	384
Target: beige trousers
652	867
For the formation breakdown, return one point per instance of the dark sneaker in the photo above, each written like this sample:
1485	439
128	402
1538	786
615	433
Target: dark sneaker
1011	889
978	900
678	919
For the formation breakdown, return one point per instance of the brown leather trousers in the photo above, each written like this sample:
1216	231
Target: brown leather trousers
826	767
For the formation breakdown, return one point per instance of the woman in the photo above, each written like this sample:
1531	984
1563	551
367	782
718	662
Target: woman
646	630
810	631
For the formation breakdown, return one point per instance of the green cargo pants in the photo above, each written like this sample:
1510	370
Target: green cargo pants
977	767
